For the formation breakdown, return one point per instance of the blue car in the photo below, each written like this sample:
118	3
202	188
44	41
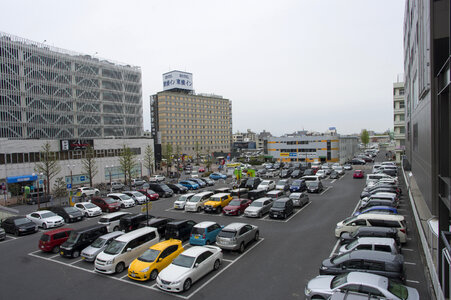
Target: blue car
217	176
298	186
190	185
204	233
378	209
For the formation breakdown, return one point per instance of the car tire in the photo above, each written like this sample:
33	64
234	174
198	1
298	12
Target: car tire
218	210
44	226
122	206
75	254
107	210
66	220
187	285
259	215
153	274
97	193
216	265
208	242
256	236
199	209
119	267
56	249
16	232
242	248
318	298
116	228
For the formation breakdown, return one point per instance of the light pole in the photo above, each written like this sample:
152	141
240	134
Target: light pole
109	171
141	166
71	188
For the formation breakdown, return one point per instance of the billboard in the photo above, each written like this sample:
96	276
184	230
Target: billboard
177	80
70	145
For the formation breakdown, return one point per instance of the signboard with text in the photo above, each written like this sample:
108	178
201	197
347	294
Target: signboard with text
71	145
177	80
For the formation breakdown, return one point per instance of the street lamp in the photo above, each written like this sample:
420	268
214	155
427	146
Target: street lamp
70	191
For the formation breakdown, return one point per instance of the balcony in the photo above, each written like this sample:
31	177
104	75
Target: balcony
400	123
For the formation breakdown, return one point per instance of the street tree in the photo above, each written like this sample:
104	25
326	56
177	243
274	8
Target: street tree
127	162
365	137
89	164
149	159
48	165
167	155
197	151
209	159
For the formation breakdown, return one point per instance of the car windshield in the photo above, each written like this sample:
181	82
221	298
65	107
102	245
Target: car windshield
70	209
47	215
217	199
282	182
398	290
124	197
114	248
137	194
150	255
195	198
184	261
227	234
90	205
296	183
312	183
21	221
264	182
73	237
339	259
351	245
98	243
179	186
338	280
235	203
256	204
110	200
198	230
279	204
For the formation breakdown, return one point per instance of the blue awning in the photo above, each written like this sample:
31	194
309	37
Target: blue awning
24	178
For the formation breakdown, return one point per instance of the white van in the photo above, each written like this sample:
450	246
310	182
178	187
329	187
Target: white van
375	177
311	178
112	220
372	243
351	224
196	202
124	249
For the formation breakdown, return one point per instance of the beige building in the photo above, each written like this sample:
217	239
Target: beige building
399	119
190	122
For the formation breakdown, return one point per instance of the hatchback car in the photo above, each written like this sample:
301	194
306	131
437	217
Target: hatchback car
259	207
88	209
150	195
217	176
69	213
372	243
299	199
204	233
190	185
46	219
267	185
281	208
370	231
87	191
125	200
298	185
137	196
314	186
181	201
236	236
106	204
51	241
283	185
177	188
236	207
358	174
321	174
154	260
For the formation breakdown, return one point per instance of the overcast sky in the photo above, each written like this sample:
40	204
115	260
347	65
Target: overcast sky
285	65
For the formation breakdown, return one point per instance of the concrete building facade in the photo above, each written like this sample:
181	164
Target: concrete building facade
399	121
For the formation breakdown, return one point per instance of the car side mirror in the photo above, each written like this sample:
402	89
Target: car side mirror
196	265
352	224
343	267
160	259
129	249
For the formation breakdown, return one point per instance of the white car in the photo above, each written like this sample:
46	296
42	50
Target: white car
181	201
138	197
190	266
46	219
88	191
321	174
267	185
156	178
125	200
196	202
88	209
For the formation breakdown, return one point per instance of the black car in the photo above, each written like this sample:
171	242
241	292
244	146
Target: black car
309	172
35	197
370	231
80	239
177	188
180	230
131	222
296	174
314	186
158	223
68	213
252	183
161	189
281	208
286	173
255	194
334	175
357	161
19	225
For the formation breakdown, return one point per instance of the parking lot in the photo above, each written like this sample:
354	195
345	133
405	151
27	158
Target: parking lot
277	266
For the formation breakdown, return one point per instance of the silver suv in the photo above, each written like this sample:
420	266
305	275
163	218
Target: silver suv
236	236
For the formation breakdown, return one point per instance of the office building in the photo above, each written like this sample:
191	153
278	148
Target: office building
399	129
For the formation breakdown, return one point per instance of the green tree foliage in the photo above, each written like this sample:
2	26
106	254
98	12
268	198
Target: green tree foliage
197	150
149	159
127	162
167	155
89	164
59	188
47	165
365	137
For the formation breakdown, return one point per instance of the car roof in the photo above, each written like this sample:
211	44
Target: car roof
112	235
164	244
84	203
284	199
40	211
135	233
220	195
262	199
195	251
379	216
204	224
373	255
376	240
54	231
376	229
179	222
367	279
115	214
115	194
204	193
234	226
275	192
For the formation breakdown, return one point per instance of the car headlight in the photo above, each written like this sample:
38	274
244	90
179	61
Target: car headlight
21	229
109	262
71	216
175	282
145	270
323	268
307	291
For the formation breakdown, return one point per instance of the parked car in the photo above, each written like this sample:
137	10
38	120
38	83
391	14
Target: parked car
115	186
106	204
347	166
296	174
150	195
204	233
125	200
283	184
274	194
236	236
378	209
267	185
321	174
259	207
88	209
323	286
217	176
90	253
177	188
357	161
35	197
154	260
298	185
200	182
87	192
375	262
190	185
157	178
161	189
314	186
159	223
217	202
334	175
236	207
358	174
46	219
222	190
80	239
285	173
188	267
209	181
252	183
255	194
370	231
19	225
111	221
372	243
281	208
299	199
131	222
180	230
181	201
137	182
51	241
196	202
309	172
69	213
137	196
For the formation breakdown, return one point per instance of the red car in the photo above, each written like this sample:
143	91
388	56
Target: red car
358	174
201	169
236	207
150	194
106	204
51	240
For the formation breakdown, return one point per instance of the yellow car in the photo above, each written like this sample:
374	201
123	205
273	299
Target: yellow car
155	259
217	202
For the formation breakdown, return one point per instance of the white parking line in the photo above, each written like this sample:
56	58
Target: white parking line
9	240
76	261
286	220
333	181
410	263
407	249
60	262
125	276
412	281
227	260
329	187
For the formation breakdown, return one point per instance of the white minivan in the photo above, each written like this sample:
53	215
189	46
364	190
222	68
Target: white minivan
112	220
124	249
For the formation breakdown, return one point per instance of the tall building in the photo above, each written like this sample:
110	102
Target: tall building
192	123
51	93
428	124
399	120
